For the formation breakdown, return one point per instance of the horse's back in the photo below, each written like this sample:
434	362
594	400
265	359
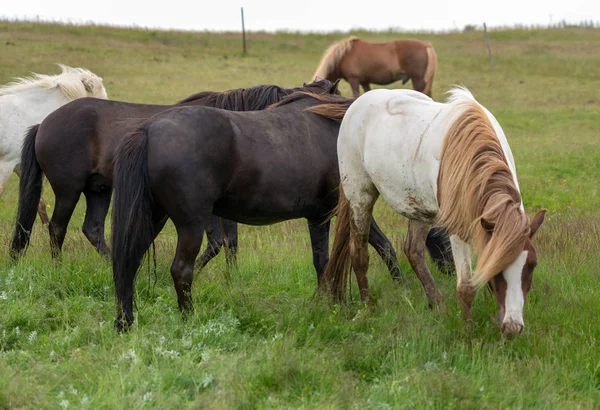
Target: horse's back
394	137
258	167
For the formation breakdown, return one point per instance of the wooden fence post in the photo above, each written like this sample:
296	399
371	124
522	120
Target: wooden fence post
489	45
243	32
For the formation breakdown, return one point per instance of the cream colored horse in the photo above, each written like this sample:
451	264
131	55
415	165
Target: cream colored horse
435	163
27	101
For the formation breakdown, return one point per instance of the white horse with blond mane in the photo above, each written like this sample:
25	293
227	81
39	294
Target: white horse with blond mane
435	163
27	101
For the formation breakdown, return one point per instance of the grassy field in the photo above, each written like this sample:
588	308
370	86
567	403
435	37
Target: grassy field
258	339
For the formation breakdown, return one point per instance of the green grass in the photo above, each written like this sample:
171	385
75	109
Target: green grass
258	338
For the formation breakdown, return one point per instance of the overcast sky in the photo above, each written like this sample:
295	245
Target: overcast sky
305	15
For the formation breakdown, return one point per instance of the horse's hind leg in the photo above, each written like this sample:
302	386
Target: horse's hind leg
189	240
95	215
214	238
366	87
65	205
415	251
419	84
361	211
384	248
319	241
230	232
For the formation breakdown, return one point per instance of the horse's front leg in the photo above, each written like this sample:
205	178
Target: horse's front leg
414	247
354	85
464	287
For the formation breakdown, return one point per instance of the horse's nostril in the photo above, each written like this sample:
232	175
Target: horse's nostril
511	328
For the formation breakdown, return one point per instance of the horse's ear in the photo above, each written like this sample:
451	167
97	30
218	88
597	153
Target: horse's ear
487	225
87	84
334	87
537	222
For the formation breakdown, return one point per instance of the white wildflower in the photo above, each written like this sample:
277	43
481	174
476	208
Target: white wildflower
130	354
3	295
207	380
32	336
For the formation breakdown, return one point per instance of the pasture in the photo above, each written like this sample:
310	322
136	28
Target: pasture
258	338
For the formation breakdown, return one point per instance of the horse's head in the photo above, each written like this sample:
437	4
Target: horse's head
511	285
321	87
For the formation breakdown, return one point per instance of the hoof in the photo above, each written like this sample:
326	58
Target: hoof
122	324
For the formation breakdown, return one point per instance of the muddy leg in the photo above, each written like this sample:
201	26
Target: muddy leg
414	248
360	226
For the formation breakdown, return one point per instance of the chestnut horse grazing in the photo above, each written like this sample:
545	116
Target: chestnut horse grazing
361	63
448	164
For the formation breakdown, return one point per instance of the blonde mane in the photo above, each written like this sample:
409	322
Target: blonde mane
332	57
478	198
73	82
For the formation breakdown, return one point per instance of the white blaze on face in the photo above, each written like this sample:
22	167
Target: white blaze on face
514	299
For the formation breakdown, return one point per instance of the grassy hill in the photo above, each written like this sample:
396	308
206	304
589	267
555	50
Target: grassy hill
258	339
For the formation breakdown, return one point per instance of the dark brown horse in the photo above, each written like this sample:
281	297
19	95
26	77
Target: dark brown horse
74	147
362	63
255	168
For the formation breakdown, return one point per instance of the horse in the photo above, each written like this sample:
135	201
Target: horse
435	163
256	168
27	101
74	148
360	62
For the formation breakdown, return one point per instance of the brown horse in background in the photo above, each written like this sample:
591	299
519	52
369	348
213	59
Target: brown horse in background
361	63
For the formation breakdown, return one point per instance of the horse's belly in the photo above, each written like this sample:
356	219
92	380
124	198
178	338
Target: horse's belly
412	203
265	211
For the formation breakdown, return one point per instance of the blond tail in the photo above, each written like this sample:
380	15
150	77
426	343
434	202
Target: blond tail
430	69
337	271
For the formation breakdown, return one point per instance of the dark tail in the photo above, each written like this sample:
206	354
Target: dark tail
30	191
132	228
337	271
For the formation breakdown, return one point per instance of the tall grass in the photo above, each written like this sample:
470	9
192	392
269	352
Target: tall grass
258	339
